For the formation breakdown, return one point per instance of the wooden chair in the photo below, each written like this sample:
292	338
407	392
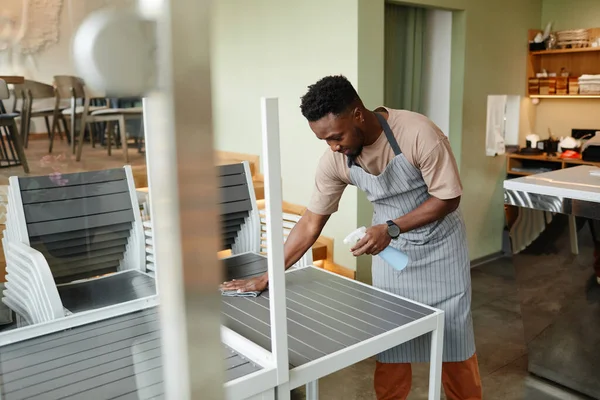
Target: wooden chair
113	117
13	142
73	89
29	92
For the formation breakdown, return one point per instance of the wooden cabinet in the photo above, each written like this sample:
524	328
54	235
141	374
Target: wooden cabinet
576	61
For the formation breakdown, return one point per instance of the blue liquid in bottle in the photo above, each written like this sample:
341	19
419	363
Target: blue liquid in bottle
394	257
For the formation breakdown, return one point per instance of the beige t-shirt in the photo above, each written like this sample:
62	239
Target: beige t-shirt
420	140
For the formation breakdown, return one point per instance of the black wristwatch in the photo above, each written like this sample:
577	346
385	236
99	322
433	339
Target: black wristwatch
393	229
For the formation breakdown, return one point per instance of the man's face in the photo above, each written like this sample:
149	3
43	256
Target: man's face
342	133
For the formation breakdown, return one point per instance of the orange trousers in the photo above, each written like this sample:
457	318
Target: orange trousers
461	380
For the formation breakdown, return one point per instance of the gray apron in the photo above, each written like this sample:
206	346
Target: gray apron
438	271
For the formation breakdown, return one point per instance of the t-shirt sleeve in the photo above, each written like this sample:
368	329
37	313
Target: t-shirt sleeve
330	183
438	166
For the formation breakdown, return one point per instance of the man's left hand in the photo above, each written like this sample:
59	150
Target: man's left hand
375	240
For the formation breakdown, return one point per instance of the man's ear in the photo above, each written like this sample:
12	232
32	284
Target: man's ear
357	115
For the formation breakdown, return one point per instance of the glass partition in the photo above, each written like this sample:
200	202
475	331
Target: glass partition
111	267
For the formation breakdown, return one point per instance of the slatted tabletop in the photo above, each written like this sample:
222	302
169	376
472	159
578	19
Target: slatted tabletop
325	313
118	358
113	289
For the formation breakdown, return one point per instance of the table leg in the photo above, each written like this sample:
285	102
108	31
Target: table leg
283	391
435	366
268	395
573	234
312	390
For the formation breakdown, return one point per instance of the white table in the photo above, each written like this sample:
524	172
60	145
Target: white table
333	322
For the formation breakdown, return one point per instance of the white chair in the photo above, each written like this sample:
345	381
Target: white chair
73	243
289	221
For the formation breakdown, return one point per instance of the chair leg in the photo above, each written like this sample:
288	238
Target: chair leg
24	115
16	137
66	128
93	130
26	122
123	134
80	138
53	130
47	124
109	136
73	124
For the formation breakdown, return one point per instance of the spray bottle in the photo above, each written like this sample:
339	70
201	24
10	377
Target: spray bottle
391	255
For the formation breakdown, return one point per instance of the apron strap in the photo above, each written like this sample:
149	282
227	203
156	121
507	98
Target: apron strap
389	134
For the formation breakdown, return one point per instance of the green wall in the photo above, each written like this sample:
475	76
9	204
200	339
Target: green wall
487	58
571	14
276	48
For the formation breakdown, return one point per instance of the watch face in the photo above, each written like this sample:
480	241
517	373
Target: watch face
393	231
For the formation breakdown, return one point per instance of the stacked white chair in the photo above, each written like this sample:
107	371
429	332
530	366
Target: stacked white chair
73	243
251	227
150	263
289	221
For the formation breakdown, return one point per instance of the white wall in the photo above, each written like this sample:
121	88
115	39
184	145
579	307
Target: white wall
275	48
57	59
436	67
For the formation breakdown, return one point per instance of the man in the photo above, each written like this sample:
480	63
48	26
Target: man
406	167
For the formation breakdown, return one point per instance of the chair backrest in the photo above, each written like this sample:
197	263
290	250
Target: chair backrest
19	93
4	92
239	213
38	90
289	221
81	222
69	86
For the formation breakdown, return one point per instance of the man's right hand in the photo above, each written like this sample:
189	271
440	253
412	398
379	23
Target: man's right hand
257	284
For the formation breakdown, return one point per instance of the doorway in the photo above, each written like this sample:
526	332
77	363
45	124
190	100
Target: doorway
418	46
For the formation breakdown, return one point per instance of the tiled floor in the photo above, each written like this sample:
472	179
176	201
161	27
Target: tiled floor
499	338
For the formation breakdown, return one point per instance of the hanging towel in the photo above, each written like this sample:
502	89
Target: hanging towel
494	135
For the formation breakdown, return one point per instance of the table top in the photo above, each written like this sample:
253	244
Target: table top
120	357
115	358
13	79
326	313
574	183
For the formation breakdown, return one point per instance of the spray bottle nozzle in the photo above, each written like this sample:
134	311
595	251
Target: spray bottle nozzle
355	236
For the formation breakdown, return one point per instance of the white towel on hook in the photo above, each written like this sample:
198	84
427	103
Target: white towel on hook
495	126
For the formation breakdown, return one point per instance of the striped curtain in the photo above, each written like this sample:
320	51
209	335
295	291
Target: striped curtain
404	37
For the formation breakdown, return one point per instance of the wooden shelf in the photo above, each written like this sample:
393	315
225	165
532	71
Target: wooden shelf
536	162
563	51
577	62
566	96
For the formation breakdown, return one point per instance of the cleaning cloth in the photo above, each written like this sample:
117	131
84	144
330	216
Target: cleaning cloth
235	293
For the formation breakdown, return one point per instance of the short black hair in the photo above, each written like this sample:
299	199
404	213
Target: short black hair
331	94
